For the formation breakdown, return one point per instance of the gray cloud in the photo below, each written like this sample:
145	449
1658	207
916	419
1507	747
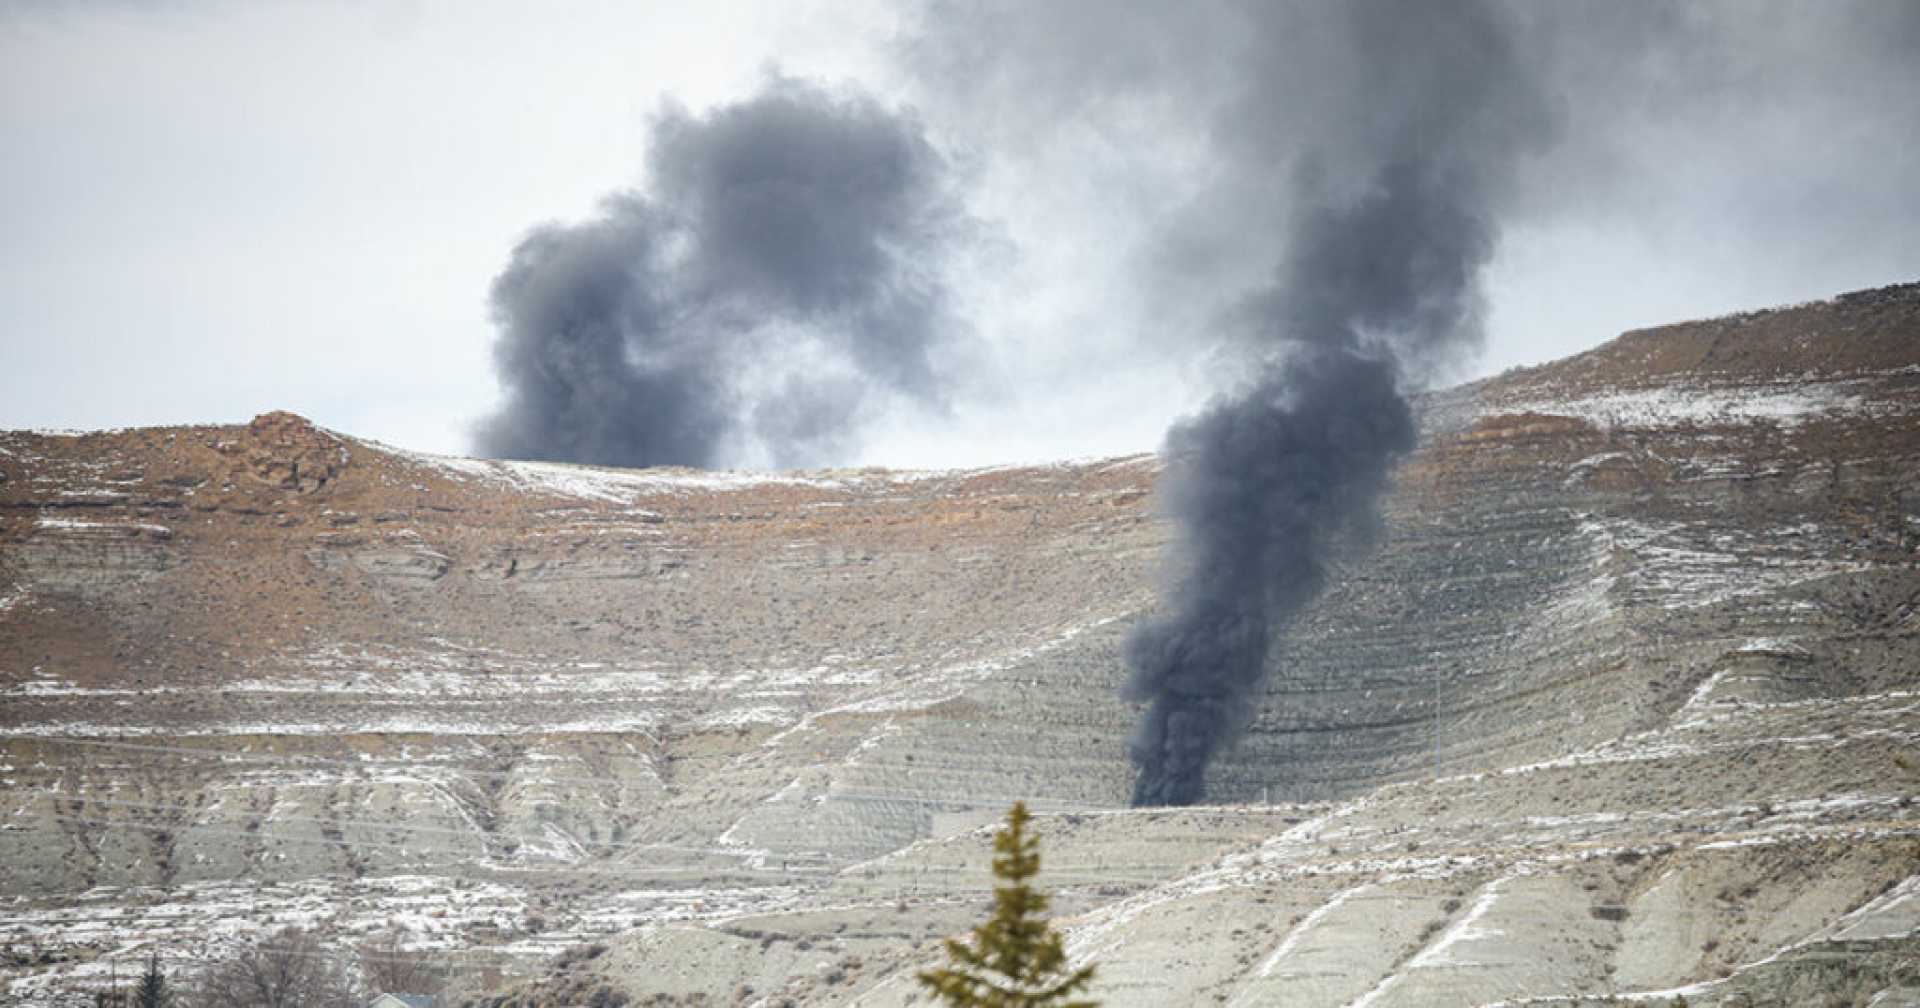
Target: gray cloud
780	273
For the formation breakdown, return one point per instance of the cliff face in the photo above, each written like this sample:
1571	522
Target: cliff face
1649	614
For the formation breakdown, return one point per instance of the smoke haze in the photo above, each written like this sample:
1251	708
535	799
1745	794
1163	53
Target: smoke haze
779	276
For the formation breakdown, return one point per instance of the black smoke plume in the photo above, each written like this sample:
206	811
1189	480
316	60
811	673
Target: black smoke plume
1264	487
1372	149
780	274
1397	127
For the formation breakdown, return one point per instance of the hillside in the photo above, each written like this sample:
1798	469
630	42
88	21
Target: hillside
1626	701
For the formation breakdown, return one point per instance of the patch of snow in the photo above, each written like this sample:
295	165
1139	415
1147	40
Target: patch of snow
61	687
1787	404
622	486
1090	940
396	725
1700	693
1894	914
616	486
1293	936
785	793
1581	469
1466	929
74	523
742	717
945	683
1770	645
1677	572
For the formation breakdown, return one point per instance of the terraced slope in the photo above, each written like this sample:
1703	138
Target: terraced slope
1626	701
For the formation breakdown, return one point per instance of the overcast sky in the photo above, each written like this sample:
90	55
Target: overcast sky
217	209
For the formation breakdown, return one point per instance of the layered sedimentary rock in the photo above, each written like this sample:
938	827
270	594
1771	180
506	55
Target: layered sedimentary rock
1623	701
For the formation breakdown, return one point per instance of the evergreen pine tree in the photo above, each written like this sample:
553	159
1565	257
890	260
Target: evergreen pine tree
1015	959
153	991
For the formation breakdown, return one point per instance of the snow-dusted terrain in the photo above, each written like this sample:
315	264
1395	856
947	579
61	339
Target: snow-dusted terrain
1625	703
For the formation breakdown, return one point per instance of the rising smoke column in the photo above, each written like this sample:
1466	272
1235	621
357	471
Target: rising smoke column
1396	128
779	274
1370	149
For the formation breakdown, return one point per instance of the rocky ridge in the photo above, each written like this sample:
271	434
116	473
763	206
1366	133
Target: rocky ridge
1626	702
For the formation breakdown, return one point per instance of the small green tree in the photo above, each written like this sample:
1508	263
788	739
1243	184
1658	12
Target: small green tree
1015	959
153	991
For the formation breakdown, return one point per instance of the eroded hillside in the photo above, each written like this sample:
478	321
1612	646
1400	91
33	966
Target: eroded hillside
1648	614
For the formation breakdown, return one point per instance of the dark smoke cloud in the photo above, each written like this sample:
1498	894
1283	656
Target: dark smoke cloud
781	273
1322	187
1358	157
1265	487
1397	128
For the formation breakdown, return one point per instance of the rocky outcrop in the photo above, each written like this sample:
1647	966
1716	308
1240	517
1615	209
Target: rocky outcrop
90	557
286	452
